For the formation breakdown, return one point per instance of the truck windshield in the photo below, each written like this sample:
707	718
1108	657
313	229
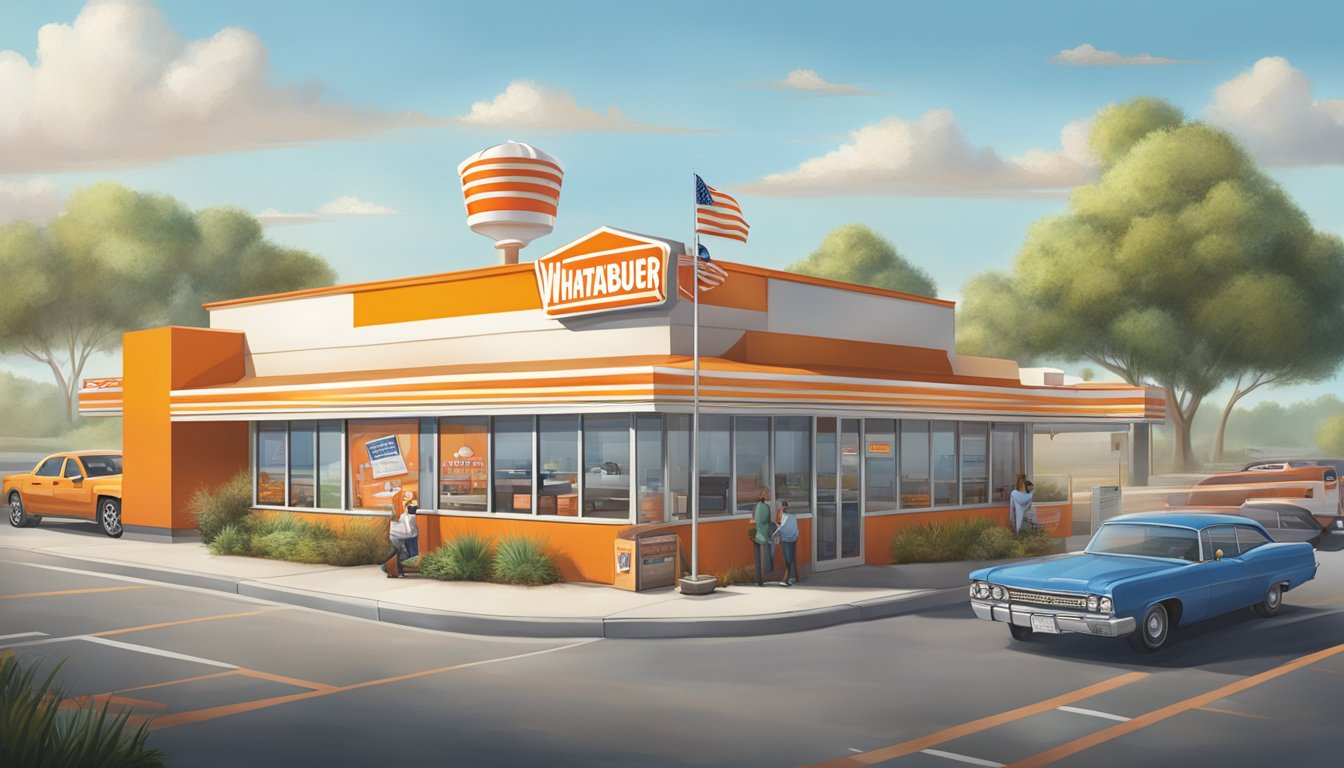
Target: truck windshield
1146	540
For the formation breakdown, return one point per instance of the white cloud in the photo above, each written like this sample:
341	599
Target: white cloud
272	217
349	205
1086	55
808	80
120	87
1271	109
528	105
31	200
932	157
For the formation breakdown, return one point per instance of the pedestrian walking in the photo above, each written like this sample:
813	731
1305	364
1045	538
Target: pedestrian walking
764	542
787	533
1021	511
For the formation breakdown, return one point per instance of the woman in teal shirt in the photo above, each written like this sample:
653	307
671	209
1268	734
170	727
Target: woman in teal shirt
764	544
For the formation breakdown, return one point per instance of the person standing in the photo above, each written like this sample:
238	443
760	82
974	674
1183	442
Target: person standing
788	541
1020	509
764	543
404	534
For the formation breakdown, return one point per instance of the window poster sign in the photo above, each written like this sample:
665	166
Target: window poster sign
385	457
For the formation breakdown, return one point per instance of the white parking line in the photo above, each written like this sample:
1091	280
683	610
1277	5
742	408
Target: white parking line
962	758
23	634
126	647
1093	713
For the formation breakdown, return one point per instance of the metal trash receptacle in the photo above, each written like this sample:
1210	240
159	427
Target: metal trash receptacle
647	557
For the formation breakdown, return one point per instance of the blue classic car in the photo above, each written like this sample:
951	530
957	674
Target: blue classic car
1143	574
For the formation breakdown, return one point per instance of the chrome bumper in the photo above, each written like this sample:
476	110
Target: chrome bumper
1085	623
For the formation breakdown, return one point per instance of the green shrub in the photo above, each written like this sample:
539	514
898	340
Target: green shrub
465	558
231	540
741	574
523	560
1035	542
967	539
277	545
359	543
994	544
36	731
224	505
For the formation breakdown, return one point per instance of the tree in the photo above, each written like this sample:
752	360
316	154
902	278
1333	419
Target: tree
1330	437
116	260
1185	266
854	253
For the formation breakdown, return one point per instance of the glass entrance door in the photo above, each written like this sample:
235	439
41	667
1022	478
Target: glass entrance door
839	523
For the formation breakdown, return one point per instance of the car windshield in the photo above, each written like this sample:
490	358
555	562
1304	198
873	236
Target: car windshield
101	466
1146	540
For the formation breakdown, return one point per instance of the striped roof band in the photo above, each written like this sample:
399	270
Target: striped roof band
512	194
509	171
509	162
509	204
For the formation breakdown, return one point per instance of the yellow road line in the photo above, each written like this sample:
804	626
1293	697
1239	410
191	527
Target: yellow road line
73	592
179	622
180	681
984	723
1221	711
1158	715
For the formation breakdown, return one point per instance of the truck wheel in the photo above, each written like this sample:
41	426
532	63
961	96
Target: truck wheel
17	516
109	516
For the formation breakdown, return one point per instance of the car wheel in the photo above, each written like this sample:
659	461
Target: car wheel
109	516
1152	631
1019	632
17	516
1271	602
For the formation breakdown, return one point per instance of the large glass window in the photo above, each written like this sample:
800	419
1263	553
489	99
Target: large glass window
826	489
606	456
879	451
943	439
271	460
752	443
716	463
649	466
558	444
464	461
329	464
1005	451
513	463
793	462
915	464
384	462
302	464
679	463
974	470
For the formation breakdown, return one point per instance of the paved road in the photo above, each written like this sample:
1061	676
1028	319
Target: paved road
230	681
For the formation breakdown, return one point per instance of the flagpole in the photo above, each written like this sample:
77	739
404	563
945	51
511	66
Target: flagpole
695	385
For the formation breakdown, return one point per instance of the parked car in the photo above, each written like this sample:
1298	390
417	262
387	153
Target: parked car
1284	520
1316	486
82	485
1142	575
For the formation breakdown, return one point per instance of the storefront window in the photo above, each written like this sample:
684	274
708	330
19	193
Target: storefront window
606	457
384	456
558	444
793	462
716	463
649	466
879	449
944	442
915	464
752	443
1005	451
464	460
302	463
827	470
271	460
974	479
679	463
329	438
513	463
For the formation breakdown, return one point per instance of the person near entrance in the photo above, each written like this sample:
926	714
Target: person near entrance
787	533
764	542
404	535
1021	512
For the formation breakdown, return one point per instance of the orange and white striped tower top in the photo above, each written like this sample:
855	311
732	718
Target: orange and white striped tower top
512	192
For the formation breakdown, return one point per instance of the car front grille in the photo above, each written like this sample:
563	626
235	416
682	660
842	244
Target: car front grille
1047	598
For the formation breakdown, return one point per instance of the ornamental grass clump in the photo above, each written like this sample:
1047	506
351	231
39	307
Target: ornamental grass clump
288	537
523	560
35	730
741	574
231	540
225	505
468	557
966	539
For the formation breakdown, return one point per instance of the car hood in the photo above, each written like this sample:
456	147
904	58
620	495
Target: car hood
1080	572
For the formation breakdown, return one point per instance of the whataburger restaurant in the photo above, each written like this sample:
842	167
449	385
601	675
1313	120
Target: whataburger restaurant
555	399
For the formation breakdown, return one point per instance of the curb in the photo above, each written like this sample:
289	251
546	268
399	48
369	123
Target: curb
519	626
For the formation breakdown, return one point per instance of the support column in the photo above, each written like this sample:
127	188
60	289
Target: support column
1140	453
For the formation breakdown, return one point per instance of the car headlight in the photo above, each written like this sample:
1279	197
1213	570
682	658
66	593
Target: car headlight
997	592
979	590
1092	603
1106	605
975	590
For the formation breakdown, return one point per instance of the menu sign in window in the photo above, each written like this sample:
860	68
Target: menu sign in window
385	457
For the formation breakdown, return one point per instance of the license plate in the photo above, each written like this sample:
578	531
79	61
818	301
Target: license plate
1044	624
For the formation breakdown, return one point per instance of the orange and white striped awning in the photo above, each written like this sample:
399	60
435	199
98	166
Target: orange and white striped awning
100	397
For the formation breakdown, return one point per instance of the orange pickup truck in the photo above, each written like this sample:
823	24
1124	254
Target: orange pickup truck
82	485
1314	487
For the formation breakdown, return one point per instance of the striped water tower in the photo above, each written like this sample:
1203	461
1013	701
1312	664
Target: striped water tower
512	192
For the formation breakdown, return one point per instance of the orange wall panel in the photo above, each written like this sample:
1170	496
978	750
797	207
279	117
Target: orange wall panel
481	295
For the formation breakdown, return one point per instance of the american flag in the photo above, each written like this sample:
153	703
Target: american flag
718	214
711	274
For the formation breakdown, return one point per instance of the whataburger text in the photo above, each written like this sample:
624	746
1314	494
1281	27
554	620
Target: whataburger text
598	282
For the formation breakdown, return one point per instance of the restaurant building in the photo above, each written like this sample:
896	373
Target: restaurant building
554	399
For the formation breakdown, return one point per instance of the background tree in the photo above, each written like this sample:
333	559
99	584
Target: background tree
854	253
1330	437
1184	266
116	260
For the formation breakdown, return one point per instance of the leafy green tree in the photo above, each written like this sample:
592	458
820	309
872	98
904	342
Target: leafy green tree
117	260
1330	437
1185	266
854	253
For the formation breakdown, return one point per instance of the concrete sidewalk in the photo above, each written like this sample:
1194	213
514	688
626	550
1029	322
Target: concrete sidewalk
558	610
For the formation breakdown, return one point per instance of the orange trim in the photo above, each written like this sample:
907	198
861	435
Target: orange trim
766	348
146	627
778	274
495	173
741	291
514	186
466	169
483	294
373	285
510	204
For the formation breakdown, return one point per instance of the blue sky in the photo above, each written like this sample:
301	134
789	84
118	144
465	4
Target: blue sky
915	120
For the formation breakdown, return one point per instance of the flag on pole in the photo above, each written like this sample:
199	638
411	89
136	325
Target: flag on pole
718	214
711	274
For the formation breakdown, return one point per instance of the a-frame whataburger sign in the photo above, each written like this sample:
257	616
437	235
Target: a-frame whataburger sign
604	271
